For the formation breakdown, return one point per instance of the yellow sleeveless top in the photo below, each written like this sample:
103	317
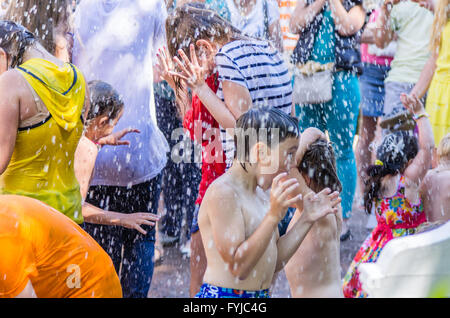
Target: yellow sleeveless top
438	99
42	164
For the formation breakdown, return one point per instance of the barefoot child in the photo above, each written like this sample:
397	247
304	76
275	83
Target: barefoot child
239	224
392	190
104	113
434	190
314	269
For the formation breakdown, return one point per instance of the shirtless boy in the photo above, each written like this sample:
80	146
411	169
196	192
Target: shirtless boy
314	270
435	187
239	224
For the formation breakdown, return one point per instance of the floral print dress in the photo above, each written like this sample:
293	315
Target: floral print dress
396	217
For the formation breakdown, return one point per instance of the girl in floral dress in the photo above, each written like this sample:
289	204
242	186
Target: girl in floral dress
392	190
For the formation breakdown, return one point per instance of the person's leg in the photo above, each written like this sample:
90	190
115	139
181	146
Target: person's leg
371	84
107	236
363	150
172	183
198	257
341	124
192	177
138	263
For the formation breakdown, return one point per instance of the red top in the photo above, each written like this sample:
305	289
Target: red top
204	129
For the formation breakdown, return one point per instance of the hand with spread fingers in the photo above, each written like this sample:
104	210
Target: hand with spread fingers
193	72
165	66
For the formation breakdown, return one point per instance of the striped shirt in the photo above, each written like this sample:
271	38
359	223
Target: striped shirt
260	68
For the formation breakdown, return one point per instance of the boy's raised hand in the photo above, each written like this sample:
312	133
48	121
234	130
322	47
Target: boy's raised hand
316	206
284	193
115	138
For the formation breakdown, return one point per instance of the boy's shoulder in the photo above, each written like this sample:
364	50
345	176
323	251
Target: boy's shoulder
220	189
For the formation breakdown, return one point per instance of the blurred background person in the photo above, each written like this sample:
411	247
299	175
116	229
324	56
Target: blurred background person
435	76
180	180
330	32
116	42
376	65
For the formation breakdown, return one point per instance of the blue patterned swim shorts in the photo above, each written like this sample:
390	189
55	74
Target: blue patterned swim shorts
210	291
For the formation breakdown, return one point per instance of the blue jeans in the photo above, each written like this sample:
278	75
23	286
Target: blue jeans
339	117
371	84
136	265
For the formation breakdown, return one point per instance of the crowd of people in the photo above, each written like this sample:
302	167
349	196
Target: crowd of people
237	119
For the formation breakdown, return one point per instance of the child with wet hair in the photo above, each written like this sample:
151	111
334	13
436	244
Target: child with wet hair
239	221
392	192
105	110
434	190
314	269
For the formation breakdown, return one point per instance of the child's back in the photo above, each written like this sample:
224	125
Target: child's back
436	195
436	185
314	270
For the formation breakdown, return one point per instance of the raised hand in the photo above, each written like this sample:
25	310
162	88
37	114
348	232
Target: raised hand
135	220
115	138
284	193
192	71
165	66
412	103
316	206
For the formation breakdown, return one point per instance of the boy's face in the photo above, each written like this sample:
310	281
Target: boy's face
278	159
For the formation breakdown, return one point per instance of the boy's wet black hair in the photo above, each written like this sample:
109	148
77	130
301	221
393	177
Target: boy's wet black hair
265	124
319	164
105	100
393	156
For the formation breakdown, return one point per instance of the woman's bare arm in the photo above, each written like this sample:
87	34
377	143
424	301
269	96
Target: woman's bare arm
347	22
9	116
304	15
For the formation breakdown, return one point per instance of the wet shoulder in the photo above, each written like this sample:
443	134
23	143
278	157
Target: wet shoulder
221	192
14	81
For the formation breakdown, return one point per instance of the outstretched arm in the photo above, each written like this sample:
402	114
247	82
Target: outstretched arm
417	170
85	157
